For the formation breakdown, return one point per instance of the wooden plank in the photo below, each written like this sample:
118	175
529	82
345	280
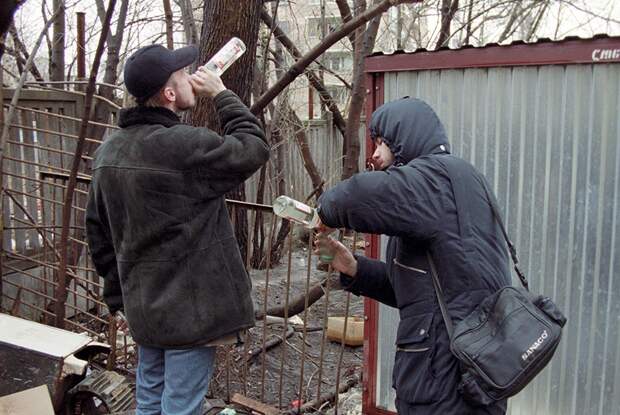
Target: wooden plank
42	122
26	95
15	183
58	143
7	234
30	170
254	405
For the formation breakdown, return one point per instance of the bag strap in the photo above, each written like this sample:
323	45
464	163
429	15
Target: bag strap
439	292
513	255
511	247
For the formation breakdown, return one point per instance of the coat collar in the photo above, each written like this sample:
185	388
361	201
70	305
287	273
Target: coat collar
147	115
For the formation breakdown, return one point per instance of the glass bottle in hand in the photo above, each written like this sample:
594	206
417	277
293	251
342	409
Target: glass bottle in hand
291	209
225	57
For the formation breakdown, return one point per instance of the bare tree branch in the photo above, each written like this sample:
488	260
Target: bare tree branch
295	70
345	13
509	26
296	305
586	11
189	23
541	13
316	83
9	117
20	48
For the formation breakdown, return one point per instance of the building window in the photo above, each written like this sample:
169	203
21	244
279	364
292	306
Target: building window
338	61
314	25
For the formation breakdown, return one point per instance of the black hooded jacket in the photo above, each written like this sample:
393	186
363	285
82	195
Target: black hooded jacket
428	200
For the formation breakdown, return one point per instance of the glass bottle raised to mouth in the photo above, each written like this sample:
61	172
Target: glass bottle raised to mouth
225	57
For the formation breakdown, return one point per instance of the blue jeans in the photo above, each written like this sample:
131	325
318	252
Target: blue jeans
172	382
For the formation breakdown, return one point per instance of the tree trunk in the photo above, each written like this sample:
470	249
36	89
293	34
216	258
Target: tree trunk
6	16
169	27
110	76
223	19
57	65
364	45
470	10
189	23
448	9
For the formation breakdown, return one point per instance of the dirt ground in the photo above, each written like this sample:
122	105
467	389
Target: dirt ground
281	367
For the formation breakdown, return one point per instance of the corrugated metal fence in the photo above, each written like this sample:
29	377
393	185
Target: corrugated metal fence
548	140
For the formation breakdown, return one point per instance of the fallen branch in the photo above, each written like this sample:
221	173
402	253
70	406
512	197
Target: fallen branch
330	397
269	344
297	305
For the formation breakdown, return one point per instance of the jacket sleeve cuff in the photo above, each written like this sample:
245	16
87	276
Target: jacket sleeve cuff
323	215
225	98
112	295
356	284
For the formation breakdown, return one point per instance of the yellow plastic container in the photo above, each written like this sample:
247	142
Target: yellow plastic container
354	335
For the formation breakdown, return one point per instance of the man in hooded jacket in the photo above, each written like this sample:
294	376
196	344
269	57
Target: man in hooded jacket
425	200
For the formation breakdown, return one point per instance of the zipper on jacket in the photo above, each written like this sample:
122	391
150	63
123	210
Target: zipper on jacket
408	267
401	349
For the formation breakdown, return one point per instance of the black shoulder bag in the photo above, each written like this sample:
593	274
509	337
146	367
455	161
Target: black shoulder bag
506	340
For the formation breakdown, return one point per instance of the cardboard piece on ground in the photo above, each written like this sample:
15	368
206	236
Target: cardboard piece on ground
296	320
31	401
354	335
257	406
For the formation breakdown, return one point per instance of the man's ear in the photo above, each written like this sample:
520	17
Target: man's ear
169	94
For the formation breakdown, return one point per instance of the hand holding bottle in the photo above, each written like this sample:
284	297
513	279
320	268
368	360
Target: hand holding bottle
343	260
206	80
206	83
225	57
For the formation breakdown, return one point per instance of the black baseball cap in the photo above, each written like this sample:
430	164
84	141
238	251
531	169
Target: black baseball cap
148	69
